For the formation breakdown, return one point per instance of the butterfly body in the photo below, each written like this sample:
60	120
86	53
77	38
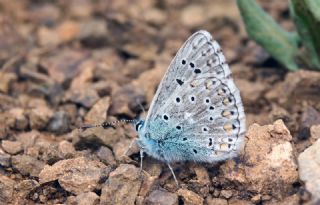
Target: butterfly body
197	113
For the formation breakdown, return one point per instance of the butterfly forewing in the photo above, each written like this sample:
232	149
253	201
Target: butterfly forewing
198	105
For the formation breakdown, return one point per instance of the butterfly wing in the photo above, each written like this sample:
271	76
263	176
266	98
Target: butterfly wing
197	113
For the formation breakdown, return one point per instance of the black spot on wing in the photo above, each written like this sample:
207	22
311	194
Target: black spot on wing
180	82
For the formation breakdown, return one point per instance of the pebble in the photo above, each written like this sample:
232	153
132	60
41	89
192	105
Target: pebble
22	121
77	175
6	80
106	155
88	198
162	197
59	123
315	133
84	97
39	116
5	159
98	112
122	187
267	148
227	194
27	165
66	149
93	33
6	189
189	197
216	201
11	147
309	166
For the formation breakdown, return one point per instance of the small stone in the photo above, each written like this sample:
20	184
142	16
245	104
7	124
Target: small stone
28	139
227	194
309	117
98	112
147	184
64	64
309	166
127	101
161	197
239	202
275	154
88	198
296	87
202	175
155	16
76	175
6	79
84	97
193	15
59	123
27	165
6	189
93	33
122	187
39	116
11	147
68	30
22	121
47	37
256	199
24	187
189	197
315	133
216	201
106	155
5	159
99	136
66	149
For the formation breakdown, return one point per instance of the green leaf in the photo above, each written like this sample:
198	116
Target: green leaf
280	44
306	15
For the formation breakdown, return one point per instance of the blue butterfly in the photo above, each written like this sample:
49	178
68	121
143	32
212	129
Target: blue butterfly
197	112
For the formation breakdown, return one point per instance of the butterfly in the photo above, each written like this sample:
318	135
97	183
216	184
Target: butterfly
197	112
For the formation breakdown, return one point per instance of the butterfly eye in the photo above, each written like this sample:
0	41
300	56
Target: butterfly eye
139	125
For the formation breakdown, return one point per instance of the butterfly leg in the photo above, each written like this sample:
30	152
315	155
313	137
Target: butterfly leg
174	176
141	159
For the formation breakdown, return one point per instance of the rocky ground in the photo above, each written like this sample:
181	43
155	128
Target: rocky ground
66	63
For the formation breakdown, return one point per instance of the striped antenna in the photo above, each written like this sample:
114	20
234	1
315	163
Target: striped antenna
106	125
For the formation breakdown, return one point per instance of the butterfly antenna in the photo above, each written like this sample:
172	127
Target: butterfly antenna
106	125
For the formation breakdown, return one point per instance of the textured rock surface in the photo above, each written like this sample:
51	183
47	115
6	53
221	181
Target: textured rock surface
269	161
161	197
76	175
122	187
6	189
189	197
309	166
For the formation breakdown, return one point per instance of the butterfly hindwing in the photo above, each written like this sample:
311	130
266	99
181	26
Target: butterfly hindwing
197	113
